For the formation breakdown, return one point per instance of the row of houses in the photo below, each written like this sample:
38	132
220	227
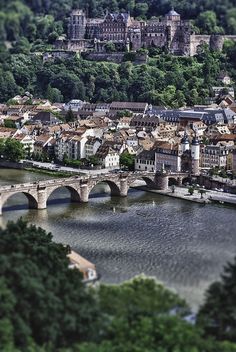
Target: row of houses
173	159
154	135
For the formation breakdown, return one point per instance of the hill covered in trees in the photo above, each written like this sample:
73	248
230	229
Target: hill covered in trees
29	27
165	80
44	306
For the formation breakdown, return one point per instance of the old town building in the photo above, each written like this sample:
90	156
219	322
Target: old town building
214	156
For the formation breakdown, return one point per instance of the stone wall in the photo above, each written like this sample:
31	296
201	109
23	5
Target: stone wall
113	57
11	165
197	40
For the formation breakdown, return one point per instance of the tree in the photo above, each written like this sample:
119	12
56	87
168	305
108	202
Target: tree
94	160
207	22
42	300
191	190
110	47
13	150
9	123
70	117
217	316
124	113
2	147
141	315
141	9
127	160
8	86
22	45
44	306
54	95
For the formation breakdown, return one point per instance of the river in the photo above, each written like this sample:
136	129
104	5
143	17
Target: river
183	244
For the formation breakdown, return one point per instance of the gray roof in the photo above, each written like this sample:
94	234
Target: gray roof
45	117
147	155
116	16
173	13
128	105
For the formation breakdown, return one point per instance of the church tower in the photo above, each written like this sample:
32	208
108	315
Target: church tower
195	155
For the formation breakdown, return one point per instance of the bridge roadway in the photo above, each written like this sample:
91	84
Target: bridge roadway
80	187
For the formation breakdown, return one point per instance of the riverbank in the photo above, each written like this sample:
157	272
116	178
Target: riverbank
39	170
209	197
49	172
168	193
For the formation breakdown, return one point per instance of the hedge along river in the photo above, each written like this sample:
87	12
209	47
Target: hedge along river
183	244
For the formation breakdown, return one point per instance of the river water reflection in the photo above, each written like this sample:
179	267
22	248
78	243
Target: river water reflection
183	244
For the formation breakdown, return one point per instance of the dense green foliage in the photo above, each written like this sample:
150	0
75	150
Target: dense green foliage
217	315
27	27
44	306
11	149
42	300
70	116
127	160
165	80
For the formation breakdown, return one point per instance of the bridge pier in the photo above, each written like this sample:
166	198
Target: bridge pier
42	198
123	187
179	181
161	181
84	193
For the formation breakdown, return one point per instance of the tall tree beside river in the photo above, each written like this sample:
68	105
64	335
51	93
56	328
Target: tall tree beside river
44	306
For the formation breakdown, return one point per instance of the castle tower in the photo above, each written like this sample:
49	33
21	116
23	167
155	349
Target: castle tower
172	16
195	154
172	21
77	25
184	143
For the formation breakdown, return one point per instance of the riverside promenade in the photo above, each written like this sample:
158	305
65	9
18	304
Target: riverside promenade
182	193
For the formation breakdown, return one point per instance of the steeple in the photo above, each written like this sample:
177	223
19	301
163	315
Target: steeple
184	143
185	139
195	140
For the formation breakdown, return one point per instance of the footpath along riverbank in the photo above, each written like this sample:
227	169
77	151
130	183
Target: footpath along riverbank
182	193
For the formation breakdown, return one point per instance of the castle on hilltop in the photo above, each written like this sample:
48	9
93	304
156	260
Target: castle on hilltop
170	33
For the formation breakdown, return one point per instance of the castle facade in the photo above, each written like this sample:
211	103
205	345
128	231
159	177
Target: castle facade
170	33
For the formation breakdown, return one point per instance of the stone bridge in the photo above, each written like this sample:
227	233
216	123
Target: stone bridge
80	187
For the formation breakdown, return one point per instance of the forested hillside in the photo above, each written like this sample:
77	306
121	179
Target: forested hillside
165	80
29	27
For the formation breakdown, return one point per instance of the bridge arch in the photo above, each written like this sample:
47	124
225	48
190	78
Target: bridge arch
113	185
32	201
148	181
74	193
186	180
172	181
